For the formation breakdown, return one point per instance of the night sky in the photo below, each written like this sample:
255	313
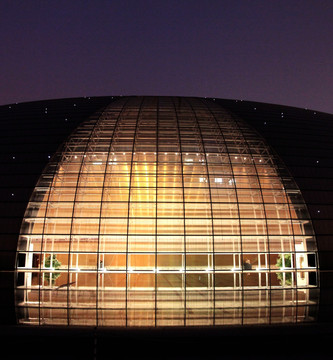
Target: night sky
275	51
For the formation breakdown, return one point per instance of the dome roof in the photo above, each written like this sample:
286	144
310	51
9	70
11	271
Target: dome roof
161	211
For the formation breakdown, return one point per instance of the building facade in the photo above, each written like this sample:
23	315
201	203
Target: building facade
165	211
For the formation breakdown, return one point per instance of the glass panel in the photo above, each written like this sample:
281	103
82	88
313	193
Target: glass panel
165	212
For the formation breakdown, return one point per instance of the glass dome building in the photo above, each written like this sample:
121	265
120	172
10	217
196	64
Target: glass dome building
166	211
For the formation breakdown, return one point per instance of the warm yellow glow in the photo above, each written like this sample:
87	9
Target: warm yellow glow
144	236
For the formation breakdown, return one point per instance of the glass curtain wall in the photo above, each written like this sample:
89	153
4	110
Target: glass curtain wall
165	212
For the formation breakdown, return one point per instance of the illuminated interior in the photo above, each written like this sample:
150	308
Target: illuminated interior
165	212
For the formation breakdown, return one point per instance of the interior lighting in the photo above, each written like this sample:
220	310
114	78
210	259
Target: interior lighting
143	229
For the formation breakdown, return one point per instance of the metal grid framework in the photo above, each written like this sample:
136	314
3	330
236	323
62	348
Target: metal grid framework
166	212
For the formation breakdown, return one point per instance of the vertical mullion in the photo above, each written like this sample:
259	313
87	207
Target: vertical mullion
183	191
93	129
211	205
128	205
294	244
100	210
42	241
264	206
156	182
237	201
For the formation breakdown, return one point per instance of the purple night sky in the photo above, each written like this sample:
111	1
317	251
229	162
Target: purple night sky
275	51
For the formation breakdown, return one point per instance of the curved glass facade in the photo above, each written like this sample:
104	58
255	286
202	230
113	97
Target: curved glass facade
165	212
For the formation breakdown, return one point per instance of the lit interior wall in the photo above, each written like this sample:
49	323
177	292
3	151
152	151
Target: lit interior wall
165	211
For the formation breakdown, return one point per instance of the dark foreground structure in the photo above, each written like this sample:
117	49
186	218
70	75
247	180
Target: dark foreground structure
186	226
